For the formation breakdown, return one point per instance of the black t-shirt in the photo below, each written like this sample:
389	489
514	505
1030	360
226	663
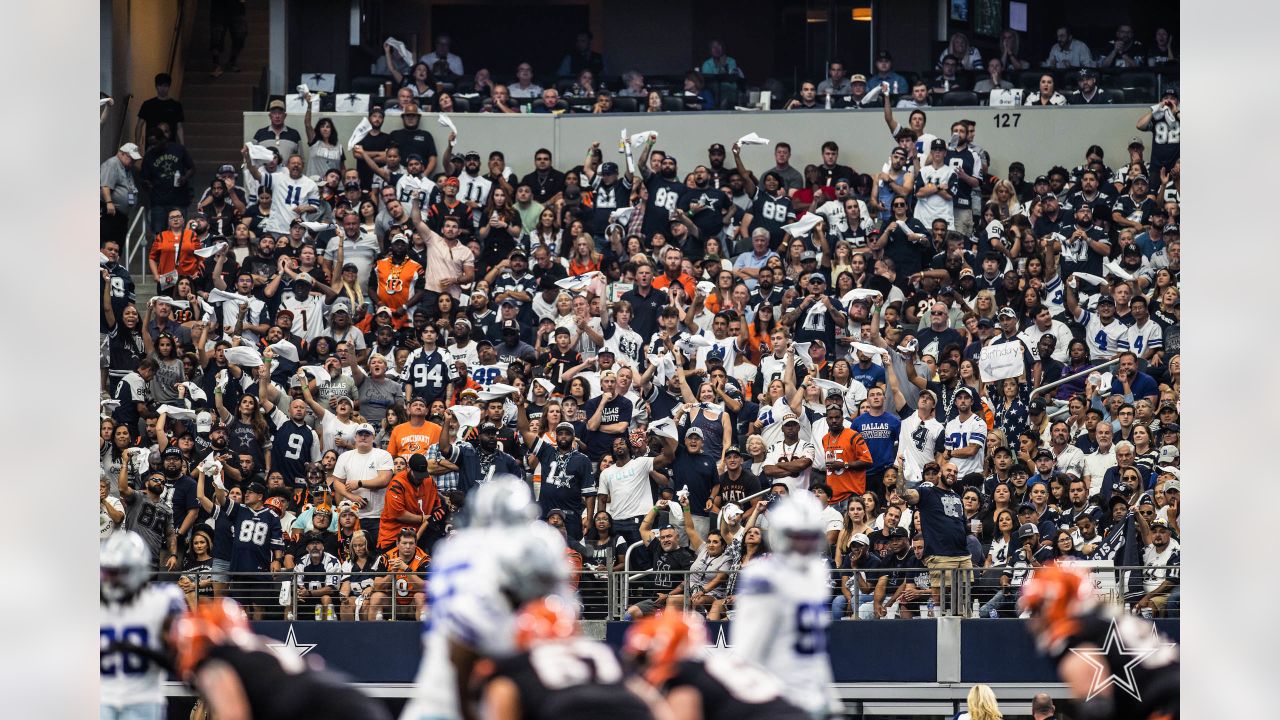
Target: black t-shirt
733	491
414	142
710	219
942	521
600	443
664	562
645	309
698	474
373	143
272	691
814	324
606	199
155	111
545	186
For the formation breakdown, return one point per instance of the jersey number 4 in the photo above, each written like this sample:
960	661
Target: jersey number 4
123	662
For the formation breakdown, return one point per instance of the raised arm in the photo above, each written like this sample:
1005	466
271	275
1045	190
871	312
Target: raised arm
748	185
254	170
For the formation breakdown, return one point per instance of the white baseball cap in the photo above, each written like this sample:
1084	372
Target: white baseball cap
131	150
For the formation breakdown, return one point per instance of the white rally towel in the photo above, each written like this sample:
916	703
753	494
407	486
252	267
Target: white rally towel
1087	277
664	368
194	391
318	372
103	101
803	226
622	215
286	350
830	385
177	413
214	249
497	391
871	350
297	103
179	304
1001	361
1113	267
706	287
446	122
752	139
259	153
317	227
676	512
716	409
468	416
401	50
412	183
638	140
802	352
220	296
874	93
243	356
358	134
859	294
577	283
664	428
103	259
689	344
543	383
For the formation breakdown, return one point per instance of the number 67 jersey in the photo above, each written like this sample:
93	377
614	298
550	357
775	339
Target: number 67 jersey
780	624
129	678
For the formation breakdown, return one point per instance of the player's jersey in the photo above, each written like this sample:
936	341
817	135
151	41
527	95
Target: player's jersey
1146	337
286	194
577	679
781	623
967	160
1166	138
129	678
283	685
1104	341
293	445
934	207
430	374
734	690
771	213
919	442
489	374
960	435
1155	676
254	536
313	576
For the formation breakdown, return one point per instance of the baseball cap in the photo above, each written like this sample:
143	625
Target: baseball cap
1175	483
383	309
171	451
377	110
694	431
418	464
566	426
1027	530
1007	312
509	301
1159	523
861	539
808	255
488	427
938	144
364	428
351	185
275	105
413	156
985	322
313	536
511	325
342	304
1170	427
471	154
1044	452
399	238
1172	230
131	150
966	390
932	395
884	55
1088	72
817	277
1168	454
606	350
716	147
483	341
1037	406
223	170
1026	506
858	78
733	450
256	487
790	418
609	168
899	532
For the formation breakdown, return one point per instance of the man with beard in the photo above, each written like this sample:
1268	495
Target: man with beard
473	188
292	193
568	484
412	139
706	204
450	263
373	147
664	188
943	525
179	493
493	462
624	490
396	278
511	280
545	181
512	348
1104	333
147	514
608	417
609	194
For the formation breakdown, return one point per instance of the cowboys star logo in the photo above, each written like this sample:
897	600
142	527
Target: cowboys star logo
1137	651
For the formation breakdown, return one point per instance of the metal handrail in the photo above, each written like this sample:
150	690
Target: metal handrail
1049	386
123	109
130	249
177	35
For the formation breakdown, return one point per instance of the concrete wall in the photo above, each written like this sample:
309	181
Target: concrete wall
1040	137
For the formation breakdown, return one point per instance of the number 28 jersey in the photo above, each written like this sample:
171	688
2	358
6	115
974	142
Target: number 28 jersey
780	625
128	678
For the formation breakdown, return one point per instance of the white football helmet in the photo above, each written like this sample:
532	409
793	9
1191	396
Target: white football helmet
533	563
504	501
124	565
795	526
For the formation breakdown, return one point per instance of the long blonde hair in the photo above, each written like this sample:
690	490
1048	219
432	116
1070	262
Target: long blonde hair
982	704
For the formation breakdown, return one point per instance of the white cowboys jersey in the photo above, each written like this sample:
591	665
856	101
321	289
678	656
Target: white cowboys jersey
961	435
918	444
129	678
780	624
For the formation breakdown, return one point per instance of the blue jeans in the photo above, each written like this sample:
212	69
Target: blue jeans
840	605
1003	602
136	711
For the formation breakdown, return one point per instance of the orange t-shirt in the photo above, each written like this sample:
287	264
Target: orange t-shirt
849	447
402	496
576	268
662	281
178	252
409	440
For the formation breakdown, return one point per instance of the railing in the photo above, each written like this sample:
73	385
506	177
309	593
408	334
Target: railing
133	245
176	40
1060	408
606	595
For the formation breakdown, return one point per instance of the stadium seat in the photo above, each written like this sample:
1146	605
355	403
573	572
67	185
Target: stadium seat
672	103
625	104
957	98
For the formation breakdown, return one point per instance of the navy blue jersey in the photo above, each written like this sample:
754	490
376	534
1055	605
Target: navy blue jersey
962	160
566	480
942	521
869	377
606	199
881	434
255	535
600	443
664	197
431	373
771	213
814	323
223	535
293	445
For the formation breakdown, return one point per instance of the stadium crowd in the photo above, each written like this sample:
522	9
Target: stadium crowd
343	345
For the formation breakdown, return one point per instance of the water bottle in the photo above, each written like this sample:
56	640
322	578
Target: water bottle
828	102
975	611
1128	609
177	179
994	614
317	613
378	616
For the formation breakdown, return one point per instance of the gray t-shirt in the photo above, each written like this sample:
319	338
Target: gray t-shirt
378	395
113	174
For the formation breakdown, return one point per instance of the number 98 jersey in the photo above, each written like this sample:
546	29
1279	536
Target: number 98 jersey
780	624
129	678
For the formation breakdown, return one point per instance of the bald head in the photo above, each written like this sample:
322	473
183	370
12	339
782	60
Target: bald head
1042	706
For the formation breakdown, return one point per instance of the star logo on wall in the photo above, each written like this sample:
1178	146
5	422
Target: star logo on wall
1104	677
291	645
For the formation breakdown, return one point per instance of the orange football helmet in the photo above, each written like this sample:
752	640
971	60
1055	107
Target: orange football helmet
1057	596
213	623
277	505
657	643
547	618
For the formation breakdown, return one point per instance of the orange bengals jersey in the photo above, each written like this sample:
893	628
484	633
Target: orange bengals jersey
395	285
418	565
409	440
